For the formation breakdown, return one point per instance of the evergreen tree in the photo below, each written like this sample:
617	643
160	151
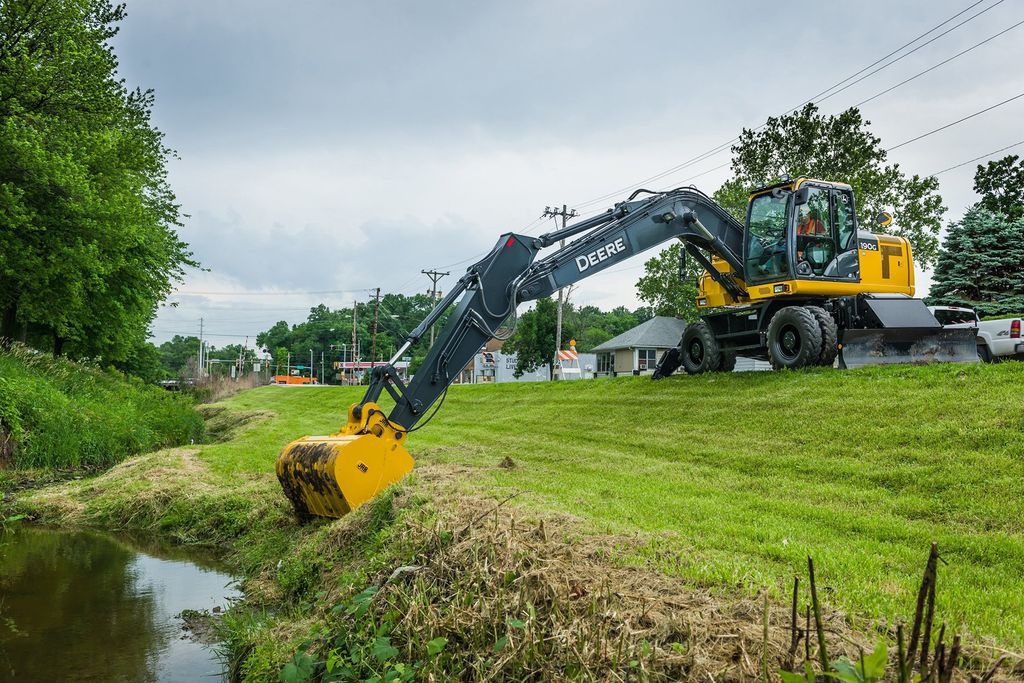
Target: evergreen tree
980	265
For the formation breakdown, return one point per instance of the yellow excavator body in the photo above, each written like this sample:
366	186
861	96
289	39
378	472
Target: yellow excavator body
329	476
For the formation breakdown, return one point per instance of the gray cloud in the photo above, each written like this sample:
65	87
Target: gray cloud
342	146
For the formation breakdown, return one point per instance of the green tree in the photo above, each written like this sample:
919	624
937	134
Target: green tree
980	264
837	147
662	287
1001	186
177	352
533	341
145	362
86	215
275	337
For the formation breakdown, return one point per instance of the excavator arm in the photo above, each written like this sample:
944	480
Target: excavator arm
329	476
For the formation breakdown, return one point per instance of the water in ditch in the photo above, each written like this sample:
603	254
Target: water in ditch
89	606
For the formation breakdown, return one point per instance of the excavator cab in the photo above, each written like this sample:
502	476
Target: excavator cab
808	233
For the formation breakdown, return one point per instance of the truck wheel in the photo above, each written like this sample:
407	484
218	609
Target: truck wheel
794	338
985	354
698	349
728	362
829	336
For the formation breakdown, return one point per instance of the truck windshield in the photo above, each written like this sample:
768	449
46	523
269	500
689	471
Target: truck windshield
766	241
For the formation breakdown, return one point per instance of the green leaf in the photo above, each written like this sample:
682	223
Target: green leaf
299	669
500	645
875	663
361	603
382	649
790	677
516	623
290	673
435	646
845	670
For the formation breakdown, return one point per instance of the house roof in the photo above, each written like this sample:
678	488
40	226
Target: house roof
661	332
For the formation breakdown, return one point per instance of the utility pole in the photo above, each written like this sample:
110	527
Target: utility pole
355	337
373	344
566	214
199	367
434	277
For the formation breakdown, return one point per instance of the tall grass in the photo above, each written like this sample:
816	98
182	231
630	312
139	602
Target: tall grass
59	414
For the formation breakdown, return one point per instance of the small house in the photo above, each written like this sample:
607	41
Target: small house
637	350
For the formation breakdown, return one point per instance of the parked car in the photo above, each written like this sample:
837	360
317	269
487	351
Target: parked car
997	339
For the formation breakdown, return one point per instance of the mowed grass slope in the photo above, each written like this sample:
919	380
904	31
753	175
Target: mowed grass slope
738	478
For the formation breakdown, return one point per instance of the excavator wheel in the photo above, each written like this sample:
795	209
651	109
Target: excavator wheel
829	336
728	362
698	349
794	338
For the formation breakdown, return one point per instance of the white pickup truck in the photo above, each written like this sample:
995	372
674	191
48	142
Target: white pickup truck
997	339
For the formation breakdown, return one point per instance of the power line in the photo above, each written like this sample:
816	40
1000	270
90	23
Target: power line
971	161
900	48
943	62
904	56
725	145
296	293
192	333
950	125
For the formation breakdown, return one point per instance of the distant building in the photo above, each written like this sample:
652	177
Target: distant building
637	350
498	367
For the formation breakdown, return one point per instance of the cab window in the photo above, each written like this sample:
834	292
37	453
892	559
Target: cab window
815	240
846	228
766	240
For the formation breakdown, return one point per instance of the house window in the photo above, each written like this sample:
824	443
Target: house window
605	362
646	358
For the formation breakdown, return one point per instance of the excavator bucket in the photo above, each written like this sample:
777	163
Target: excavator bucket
915	345
329	476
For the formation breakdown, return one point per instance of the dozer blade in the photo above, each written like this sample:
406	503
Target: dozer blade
914	345
329	476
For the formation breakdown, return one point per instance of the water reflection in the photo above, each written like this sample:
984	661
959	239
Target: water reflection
86	606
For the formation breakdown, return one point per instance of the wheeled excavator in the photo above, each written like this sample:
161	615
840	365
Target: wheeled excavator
800	284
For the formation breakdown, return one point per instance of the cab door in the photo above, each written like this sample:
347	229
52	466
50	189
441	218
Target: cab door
766	252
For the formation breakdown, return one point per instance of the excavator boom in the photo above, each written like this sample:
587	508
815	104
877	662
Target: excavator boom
331	475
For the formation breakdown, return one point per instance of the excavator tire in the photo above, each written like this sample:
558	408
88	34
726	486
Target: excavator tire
829	336
728	362
794	338
698	349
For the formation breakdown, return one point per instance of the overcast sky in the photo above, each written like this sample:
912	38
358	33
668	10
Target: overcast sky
328	148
